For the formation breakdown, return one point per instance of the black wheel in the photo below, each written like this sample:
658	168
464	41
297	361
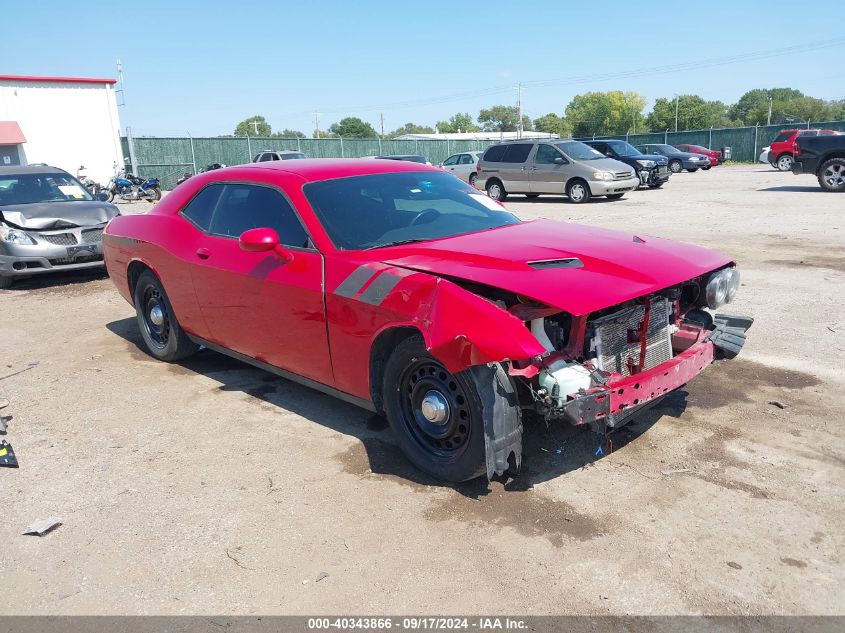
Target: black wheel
437	416
784	162
707	167
472	178
578	191
160	330
532	195
153	194
107	196
656	185
496	190
614	196
693	170
5	281
676	166
832	175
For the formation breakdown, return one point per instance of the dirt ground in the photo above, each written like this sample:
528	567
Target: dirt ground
212	487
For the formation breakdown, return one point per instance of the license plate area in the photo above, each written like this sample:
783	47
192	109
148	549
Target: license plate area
90	249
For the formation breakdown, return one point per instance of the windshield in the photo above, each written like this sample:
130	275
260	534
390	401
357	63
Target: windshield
34	188
668	149
624	149
383	209
579	151
292	155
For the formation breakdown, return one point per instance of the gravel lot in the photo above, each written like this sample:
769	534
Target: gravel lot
212	487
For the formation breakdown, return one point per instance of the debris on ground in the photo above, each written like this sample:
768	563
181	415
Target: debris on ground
321	575
7	455
20	371
778	404
4	402
677	471
734	565
42	526
4	420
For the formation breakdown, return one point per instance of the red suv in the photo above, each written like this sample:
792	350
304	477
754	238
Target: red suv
712	155
780	151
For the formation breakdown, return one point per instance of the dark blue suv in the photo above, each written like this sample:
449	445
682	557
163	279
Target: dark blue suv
652	169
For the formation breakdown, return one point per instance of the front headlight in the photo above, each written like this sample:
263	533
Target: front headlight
602	175
721	287
648	164
14	236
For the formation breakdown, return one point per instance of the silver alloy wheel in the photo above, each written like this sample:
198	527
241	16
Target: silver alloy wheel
834	176
472	179
676	167
785	162
576	192
494	191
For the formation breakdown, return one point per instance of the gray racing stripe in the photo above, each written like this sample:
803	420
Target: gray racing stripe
350	286
380	288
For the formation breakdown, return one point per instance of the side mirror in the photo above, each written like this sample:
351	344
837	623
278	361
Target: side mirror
559	160
262	240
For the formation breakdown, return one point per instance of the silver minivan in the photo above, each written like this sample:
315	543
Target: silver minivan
552	167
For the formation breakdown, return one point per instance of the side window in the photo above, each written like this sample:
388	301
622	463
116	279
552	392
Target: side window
517	153
243	207
452	160
495	154
604	148
201	207
546	155
466	159
257	158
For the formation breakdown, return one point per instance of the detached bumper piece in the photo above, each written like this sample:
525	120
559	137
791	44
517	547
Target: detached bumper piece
729	333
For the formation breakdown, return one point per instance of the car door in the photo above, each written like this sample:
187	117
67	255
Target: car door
547	173
451	163
262	305
466	165
514	168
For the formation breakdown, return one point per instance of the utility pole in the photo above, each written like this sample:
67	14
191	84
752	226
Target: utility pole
519	110
119	91
676	112
254	125
769	118
316	124
381	116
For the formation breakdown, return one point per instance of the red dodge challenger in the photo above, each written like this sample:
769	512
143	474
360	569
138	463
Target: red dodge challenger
399	288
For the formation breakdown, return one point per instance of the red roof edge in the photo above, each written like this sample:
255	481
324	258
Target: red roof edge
68	80
10	133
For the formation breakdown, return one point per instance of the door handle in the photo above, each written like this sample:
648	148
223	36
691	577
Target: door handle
203	253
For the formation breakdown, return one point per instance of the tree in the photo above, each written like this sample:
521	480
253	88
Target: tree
288	133
747	111
605	113
253	126
798	109
411	128
553	124
460	122
694	113
353	127
501	118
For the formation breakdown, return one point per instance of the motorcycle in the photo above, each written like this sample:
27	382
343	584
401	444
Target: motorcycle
210	167
129	187
93	187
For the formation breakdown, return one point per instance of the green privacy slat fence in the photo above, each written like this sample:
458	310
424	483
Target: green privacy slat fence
170	157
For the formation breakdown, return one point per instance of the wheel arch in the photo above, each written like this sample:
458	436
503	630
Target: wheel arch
383	344
133	272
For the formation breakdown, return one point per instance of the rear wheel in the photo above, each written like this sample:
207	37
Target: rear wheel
693	170
676	166
472	178
578	191
162	334
437	416
784	162
153	194
832	175
496	190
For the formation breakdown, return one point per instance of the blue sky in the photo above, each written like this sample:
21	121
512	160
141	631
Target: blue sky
204	66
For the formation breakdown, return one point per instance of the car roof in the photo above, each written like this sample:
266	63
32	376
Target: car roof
314	169
279	151
30	169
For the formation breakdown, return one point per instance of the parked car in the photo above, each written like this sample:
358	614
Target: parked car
272	154
49	223
714	156
552	167
413	158
652	170
399	288
764	155
824	156
678	160
463	165
780	151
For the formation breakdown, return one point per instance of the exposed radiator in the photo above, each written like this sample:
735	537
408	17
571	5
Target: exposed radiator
616	337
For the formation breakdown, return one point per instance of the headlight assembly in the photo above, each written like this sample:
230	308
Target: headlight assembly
648	164
14	236
721	287
602	175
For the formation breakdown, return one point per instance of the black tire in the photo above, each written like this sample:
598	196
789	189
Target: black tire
165	340
693	170
707	167
676	166
449	449
472	178
656	185
109	196
831	175
578	191
496	190
614	196
784	162
532	195
153	194
6	281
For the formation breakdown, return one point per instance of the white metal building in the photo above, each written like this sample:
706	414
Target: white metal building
66	122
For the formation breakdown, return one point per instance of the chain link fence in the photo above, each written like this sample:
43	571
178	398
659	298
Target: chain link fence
168	158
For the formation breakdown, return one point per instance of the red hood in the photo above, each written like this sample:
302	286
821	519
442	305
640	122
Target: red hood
617	266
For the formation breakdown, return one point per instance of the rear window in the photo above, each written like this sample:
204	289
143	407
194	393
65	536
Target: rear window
495	154
517	153
783	136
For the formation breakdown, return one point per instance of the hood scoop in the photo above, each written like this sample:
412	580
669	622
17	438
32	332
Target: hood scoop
546	264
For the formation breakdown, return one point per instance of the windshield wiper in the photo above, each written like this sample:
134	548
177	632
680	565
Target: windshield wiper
398	243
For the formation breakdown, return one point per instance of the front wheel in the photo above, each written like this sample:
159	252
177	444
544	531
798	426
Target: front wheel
784	162
496	190
152	194
693	170
437	416
163	336
473	177
832	175
676	166
578	191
